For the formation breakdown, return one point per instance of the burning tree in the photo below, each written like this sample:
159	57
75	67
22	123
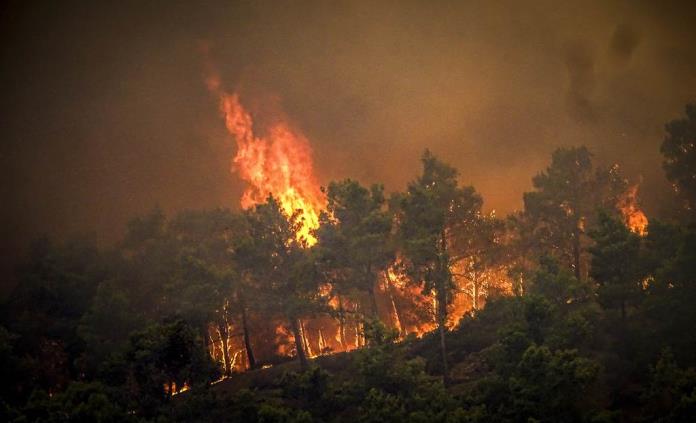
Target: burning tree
282	268
355	243
278	163
479	257
431	210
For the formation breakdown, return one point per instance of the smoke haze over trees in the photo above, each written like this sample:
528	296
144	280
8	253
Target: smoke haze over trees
415	307
348	211
105	115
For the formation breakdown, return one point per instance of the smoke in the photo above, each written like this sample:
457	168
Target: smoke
105	114
580	65
624	42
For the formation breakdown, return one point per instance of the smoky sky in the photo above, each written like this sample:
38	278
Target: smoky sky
105	113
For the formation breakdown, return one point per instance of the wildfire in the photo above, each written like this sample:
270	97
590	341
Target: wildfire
172	389
278	163
633	216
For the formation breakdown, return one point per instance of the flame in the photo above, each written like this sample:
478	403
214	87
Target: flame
633	216
172	389
279	163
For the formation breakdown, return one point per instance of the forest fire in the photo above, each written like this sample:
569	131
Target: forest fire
265	211
633	216
278	163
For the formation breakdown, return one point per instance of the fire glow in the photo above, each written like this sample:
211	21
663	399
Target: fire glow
633	216
278	164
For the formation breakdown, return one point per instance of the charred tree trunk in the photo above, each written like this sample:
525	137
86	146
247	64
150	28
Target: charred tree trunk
341	324
299	344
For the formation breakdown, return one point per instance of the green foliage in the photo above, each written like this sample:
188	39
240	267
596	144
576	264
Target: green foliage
557	284
282	269
91	335
616	263
392	387
312	383
547	385
80	402
108	323
563	204
355	245
433	207
671	291
679	151
56	285
165	357
671	395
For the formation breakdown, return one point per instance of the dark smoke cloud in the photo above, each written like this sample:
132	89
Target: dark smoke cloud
623	43
580	64
105	113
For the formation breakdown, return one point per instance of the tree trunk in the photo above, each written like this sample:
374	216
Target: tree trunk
305	341
373	303
359	328
247	341
322	342
441	323
397	316
576	252
357	334
475	292
441	296
223	332
341	324
294	325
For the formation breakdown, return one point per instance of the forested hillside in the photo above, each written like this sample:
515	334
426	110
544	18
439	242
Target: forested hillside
413	306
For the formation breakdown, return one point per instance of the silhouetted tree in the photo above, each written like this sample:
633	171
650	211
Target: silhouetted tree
56	286
164	358
616	263
679	151
565	198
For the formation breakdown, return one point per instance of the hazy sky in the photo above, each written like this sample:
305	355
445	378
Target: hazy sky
105	114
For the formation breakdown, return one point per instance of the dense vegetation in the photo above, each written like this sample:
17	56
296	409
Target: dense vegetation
573	314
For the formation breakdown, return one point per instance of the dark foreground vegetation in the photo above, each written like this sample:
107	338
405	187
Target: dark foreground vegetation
592	319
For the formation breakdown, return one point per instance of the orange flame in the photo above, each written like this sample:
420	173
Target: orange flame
633	216
279	163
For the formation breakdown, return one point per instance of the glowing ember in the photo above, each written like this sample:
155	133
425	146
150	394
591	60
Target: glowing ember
633	216
278	164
